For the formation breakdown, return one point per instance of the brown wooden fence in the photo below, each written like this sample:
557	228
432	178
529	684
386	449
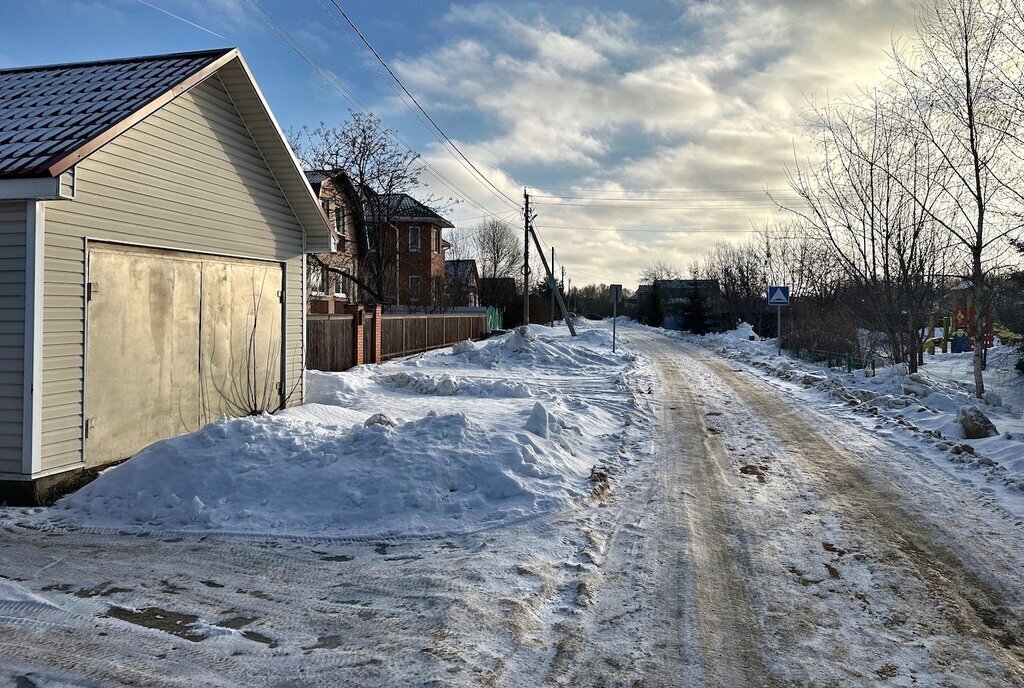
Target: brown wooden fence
329	338
404	335
329	343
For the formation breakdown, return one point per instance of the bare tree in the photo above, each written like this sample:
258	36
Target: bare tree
869	203
659	270
381	171
498	247
960	84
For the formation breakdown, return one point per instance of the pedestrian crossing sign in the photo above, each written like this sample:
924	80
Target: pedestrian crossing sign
778	296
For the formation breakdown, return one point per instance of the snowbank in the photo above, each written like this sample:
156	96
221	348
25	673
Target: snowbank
450	441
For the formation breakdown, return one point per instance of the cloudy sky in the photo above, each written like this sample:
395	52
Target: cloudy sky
645	130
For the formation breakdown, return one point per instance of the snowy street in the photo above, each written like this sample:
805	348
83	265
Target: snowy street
747	534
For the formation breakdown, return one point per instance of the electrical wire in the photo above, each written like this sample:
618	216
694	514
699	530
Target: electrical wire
332	80
419	107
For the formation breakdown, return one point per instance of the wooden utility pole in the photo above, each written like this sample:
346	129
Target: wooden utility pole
526	257
563	284
551	280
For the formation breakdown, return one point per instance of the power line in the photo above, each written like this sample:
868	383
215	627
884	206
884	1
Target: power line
665	191
404	101
726	205
333	81
680	230
417	103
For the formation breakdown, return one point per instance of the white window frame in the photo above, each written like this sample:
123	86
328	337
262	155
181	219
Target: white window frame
414	230
339	220
319	282
437	240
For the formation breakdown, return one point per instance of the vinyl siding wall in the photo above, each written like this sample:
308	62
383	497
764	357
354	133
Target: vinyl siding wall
12	333
188	177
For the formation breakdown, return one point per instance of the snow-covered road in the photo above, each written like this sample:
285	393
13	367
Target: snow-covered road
748	539
865	563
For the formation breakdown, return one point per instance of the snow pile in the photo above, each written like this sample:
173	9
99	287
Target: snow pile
265	475
445	442
448	385
536	346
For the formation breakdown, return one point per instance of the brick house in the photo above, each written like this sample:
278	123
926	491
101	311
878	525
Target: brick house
418	272
328	291
411	275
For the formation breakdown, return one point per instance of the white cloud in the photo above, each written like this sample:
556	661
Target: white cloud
716	111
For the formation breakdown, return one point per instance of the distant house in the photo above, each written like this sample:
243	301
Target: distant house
418	267
154	224
677	296
503	293
462	282
330	290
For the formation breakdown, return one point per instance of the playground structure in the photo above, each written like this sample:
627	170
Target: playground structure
958	327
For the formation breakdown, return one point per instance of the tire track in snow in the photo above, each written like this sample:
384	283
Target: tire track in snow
731	646
972	606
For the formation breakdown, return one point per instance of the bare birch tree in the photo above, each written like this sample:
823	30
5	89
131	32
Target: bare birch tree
958	77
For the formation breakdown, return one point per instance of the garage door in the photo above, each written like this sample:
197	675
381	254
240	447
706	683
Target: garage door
176	340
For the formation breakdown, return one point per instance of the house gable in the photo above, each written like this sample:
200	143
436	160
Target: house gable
187	177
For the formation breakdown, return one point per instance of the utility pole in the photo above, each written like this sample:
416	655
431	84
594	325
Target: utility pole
526	257
552	291
563	284
552	284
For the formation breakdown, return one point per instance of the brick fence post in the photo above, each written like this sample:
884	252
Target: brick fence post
378	339
358	354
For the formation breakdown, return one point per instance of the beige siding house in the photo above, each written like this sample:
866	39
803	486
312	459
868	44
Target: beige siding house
153	228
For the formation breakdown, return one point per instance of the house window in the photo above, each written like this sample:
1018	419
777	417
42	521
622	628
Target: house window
414	239
339	221
437	241
318	278
326	204
414	286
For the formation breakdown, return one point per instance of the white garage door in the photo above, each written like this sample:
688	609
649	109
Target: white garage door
176	340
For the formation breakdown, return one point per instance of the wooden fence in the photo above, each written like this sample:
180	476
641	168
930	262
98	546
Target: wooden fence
329	338
404	335
329	343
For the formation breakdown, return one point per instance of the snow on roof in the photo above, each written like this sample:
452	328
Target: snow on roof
47	113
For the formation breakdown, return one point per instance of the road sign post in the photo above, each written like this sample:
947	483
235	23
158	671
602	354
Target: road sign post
778	297
616	290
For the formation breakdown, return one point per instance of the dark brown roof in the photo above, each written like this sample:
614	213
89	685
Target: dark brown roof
49	113
460	270
407	208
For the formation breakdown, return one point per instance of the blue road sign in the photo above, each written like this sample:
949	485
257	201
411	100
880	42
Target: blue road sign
778	296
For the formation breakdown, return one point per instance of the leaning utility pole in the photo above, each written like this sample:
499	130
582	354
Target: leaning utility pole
552	284
526	257
563	286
